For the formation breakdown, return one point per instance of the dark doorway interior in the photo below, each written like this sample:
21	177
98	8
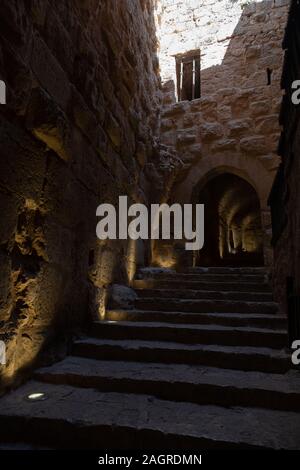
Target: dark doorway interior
233	231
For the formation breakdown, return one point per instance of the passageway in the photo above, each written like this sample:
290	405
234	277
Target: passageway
233	231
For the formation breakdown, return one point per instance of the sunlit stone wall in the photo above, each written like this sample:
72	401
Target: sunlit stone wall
234	125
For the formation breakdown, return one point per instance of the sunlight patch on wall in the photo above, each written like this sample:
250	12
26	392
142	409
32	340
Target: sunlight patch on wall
194	24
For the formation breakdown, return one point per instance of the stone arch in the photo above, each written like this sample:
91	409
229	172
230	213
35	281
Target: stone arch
249	169
210	175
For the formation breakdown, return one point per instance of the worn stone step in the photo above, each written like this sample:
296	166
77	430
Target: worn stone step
227	270
151	283
85	418
205	295
188	334
205	306
227	357
205	269
226	319
210	277
195	384
9	446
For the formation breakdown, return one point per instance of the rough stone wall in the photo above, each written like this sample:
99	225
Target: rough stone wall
78	130
234	125
285	196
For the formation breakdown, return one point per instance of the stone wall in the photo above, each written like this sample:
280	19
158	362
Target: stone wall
285	196
78	129
234	125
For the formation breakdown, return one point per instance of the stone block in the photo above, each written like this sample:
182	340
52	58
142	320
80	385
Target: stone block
22	162
259	108
270	162
255	145
19	80
224	113
83	116
167	124
225	144
196	149
211	131
268	124
121	296
49	73
253	53
9	209
113	130
185	137
16	24
176	109
238	127
141	154
39	9
281	3
58	41
48	123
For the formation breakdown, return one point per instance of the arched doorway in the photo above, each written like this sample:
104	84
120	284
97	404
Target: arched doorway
233	230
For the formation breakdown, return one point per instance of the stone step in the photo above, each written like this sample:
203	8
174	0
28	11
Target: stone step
205	295
9	446
191	334
205	306
227	270
151	283
210	277
195	384
85	418
261	270
226	319
227	357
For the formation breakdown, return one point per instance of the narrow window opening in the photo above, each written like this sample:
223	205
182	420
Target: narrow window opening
269	75
188	68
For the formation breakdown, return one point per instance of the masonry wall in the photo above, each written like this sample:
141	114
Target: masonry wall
234	125
78	130
285	196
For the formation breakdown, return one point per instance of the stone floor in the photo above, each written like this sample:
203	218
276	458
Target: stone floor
200	362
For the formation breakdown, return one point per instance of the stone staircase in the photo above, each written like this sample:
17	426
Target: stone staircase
199	362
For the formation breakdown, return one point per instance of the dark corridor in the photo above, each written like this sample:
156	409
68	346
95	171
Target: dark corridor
233	232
